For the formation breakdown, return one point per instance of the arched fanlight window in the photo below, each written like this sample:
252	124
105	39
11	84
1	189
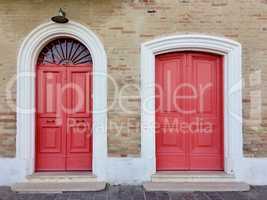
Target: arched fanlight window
64	51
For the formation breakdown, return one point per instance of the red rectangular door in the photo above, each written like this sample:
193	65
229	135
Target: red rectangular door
189	111
64	118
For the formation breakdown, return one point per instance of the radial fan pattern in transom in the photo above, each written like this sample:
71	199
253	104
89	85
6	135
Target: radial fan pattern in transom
64	51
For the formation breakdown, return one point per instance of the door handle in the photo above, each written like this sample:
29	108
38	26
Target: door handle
80	120
50	120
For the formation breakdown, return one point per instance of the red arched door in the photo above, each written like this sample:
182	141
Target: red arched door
64	107
189	111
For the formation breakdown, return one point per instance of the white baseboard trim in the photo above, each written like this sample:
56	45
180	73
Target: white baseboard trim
134	171
11	171
253	171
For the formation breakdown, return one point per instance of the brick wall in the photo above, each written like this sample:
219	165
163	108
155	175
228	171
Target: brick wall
123	25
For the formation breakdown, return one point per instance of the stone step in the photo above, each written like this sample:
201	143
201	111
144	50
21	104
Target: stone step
196	186
33	187
192	176
61	177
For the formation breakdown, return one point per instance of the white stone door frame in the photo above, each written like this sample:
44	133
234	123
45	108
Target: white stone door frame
231	52
27	58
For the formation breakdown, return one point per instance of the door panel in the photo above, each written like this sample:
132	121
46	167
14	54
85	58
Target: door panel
207	141
189	118
79	99
49	93
79	148
79	132
79	137
50	145
50	138
170	139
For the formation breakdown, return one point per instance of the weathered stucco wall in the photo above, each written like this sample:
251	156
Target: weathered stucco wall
122	25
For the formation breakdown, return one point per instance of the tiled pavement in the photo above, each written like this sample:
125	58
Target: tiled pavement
137	193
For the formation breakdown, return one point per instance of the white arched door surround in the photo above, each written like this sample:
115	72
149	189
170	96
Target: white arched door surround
27	58
231	52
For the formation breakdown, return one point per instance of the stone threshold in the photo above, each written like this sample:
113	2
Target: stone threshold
57	182
194	181
192	176
28	187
